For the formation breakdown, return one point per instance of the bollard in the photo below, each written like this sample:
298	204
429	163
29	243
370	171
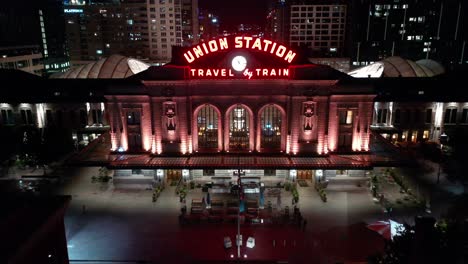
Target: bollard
284	243
274	243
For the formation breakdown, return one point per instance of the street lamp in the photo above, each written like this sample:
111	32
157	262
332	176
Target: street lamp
239	173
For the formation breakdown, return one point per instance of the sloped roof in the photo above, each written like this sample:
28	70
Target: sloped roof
113	67
399	67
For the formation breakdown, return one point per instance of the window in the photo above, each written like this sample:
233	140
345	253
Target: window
464	116
450	116
7	117
428	119
208	172
408	119
136	172
97	116
425	134
269	172
133	118
207	125
26	116
83	117
271	127
416	116
397	116
346	117
239	128
382	116
49	118
59	115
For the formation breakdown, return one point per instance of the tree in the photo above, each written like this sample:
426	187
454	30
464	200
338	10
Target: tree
427	243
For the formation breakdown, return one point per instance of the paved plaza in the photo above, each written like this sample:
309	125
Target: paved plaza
123	224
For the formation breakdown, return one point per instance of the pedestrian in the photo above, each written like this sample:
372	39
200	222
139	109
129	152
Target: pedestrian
83	209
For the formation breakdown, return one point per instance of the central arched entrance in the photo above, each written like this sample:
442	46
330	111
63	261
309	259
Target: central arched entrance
239	118
207	127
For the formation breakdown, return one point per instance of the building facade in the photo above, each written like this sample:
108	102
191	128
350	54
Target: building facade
36	23
318	26
411	29
238	102
140	29
25	58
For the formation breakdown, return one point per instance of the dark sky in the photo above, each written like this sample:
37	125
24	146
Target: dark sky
235	12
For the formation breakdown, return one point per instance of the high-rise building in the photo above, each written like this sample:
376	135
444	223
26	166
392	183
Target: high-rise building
141	29
37	23
190	25
102	29
316	25
412	29
25	58
209	25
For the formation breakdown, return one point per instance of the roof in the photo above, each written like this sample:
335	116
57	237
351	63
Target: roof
399	67
356	161
113	67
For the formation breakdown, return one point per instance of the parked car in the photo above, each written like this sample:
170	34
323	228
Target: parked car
227	242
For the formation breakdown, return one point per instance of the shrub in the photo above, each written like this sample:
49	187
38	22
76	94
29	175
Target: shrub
287	186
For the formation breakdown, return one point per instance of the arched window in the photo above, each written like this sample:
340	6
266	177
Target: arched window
207	126
239	128
270	122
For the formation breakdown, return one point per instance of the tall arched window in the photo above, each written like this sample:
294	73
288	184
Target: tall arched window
207	125
239	128
270	122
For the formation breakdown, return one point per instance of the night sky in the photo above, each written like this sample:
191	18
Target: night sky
234	12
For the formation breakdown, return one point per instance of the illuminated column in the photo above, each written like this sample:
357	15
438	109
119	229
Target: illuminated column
295	125
252	129
157	125
332	126
438	125
321	110
123	128
221	128
146	126
227	127
259	129
40	115
183	124
365	110
103	114
356	144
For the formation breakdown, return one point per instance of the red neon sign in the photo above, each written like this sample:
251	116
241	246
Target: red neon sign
241	42
247	73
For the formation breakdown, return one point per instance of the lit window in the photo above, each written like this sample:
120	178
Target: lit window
99	52
349	117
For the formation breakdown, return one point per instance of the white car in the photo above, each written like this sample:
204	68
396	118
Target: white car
250	242
238	240
227	242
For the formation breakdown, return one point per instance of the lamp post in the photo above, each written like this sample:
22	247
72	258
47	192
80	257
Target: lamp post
441	156
239	173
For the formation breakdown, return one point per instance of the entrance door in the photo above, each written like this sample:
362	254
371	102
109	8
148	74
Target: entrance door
345	140
174	175
304	174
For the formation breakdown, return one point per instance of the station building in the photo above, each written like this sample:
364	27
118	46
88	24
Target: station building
232	103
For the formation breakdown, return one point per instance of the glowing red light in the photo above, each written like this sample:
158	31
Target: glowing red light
241	42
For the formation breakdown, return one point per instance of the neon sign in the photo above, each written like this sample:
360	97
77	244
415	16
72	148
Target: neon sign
249	74
73	10
240	42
